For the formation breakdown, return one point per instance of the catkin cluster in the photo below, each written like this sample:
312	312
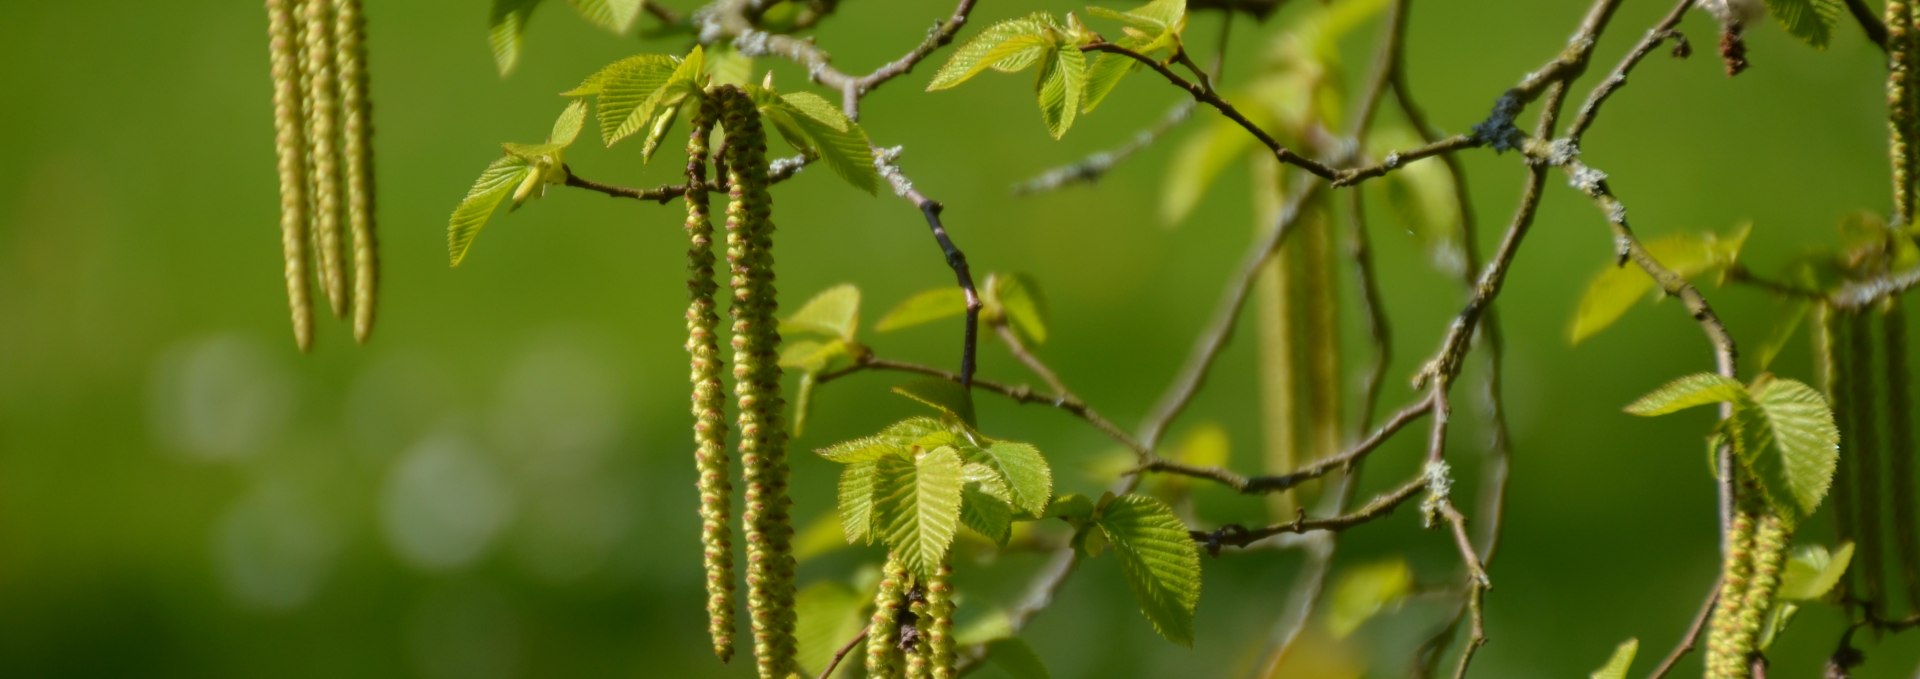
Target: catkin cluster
883	634
323	131
709	394
911	634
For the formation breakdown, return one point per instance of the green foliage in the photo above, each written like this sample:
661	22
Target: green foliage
829	613
527	168
834	312
1062	87
1196	165
631	93
917	503
1006	46
507	23
819	130
1812	572
1016	299
1811	21
1366	591
1782	431
942	395
1615	290
1620	662
1160	560
614	15
923	308
1147	29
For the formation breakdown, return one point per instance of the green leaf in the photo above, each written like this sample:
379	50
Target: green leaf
657	130
613	15
499	180
819	129
1804	435
1364	592
865	449
1016	298
857	489
632	95
1161	563
918	506
803	403
506	26
1009	45
1614	291
941	395
1197	164
1077	509
1016	658
1812	572
1777	620
923	308
1622	660
729	66
567	127
829	613
595	84
1024	471
1693	390
1783	330
812	357
985	514
1061	87
1811	21
834	312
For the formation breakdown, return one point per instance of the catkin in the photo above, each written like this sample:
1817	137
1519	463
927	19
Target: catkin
939	630
323	131
290	148
883	631
356	119
709	394
1900	449
1865	452
917	652
1769	552
756	369
1900	106
1725	658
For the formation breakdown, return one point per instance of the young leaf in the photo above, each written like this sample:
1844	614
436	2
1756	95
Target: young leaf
657	130
829	613
1365	591
1161	563
1024	471
918	506
925	433
1811	21
1783	331
1614	291
986	514
1812	572
1622	660
613	15
1197	164
1008	45
857	488
1075	508
1016	658
624	68
494	184
941	395
1061	87
1017	299
1777	620
812	357
865	449
925	307
567	127
631	97
506	25
819	129
1693	390
834	312
1804	434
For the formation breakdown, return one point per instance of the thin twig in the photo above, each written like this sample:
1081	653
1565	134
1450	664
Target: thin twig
1870	23
1234	535
1659	33
846	648
1691	639
1021	394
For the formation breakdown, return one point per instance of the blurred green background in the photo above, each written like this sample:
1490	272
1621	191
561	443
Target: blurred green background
498	486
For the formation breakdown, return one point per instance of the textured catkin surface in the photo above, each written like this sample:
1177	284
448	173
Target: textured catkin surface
883	631
356	120
1900	105
709	394
290	147
1724	660
323	130
756	369
940	628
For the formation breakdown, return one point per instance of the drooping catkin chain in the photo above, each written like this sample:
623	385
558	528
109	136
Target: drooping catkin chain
939	630
1900	451
1725	659
323	130
756	369
290	147
1769	552
350	64
918	665
709	394
883	633
1866	457
1900	106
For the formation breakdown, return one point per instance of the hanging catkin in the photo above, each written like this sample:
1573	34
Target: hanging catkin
290	147
1725	658
356	119
1900	449
883	631
939	630
756	369
323	129
709	394
1900	106
917	652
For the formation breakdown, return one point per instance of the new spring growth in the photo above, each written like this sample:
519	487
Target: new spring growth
709	394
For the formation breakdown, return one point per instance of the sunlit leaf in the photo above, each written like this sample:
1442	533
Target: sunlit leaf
1693	390
858	485
1616	289
613	15
1001	45
1023	469
506	27
1622	660
918	506
1061	87
985	514
834	312
1812	572
1811	21
1804	436
926	307
499	180
1160	560
1016	298
942	395
828	614
820	129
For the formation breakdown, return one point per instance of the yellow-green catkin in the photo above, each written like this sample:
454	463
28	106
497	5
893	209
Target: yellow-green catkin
1900	106
283	43
709	394
883	634
756	369
356	120
918	655
939	630
1725	658
1769	552
1900	449
323	130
